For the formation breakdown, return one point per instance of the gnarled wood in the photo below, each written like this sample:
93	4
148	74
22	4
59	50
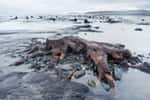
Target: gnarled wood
96	52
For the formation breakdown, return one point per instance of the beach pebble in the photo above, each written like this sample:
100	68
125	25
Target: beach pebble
19	62
105	86
76	66
65	67
79	74
138	29
86	21
91	83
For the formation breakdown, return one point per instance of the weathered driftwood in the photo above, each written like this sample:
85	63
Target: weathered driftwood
94	52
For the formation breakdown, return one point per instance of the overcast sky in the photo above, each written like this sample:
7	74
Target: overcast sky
12	7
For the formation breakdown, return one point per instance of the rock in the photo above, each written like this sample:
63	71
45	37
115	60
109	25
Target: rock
75	19
76	66
19	62
105	86
117	73
148	57
51	66
79	74
138	29
40	17
65	67
52	19
87	67
141	56
35	66
33	49
16	17
27	17
143	23
32	16
86	21
142	19
90	30
110	20
37	54
59	34
45	59
96	27
134	60
91	83
121	46
145	67
82	26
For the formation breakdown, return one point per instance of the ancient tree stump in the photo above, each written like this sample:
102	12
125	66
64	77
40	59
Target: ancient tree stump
98	53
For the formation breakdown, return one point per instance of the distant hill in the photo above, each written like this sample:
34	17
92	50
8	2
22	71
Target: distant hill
127	12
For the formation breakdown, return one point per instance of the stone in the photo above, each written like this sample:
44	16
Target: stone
79	74
117	73
82	26
32	16
145	67
75	19
33	49
134	60
96	27
19	62
52	19
140	55
27	17
105	86
91	83
37	54
15	18
138	29
65	67
143	23
40	17
76	66
110	20
35	66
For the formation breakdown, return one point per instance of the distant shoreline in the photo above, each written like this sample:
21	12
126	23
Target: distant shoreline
125	12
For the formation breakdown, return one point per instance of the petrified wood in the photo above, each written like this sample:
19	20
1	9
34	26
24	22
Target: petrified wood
97	53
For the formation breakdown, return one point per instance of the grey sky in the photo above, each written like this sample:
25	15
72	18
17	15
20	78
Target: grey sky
12	7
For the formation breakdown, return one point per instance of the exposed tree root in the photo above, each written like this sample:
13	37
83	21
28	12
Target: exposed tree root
94	52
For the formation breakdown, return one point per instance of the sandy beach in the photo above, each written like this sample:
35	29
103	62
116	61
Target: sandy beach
35	83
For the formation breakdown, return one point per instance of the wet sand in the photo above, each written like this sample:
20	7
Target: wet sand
15	35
